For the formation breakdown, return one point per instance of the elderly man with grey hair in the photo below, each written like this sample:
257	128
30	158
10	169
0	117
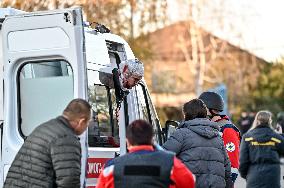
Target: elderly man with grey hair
131	72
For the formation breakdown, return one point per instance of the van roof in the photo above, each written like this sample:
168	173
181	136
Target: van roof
9	11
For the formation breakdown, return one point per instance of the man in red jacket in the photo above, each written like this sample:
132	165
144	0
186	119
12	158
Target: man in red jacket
229	132
144	166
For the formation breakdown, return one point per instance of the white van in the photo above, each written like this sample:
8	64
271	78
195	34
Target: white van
48	58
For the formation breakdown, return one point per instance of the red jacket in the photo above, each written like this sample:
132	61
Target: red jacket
231	138
180	174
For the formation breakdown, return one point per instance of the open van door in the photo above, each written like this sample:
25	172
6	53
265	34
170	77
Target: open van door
44	68
1	103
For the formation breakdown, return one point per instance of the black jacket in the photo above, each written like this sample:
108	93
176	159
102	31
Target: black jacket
49	158
143	169
259	157
198	144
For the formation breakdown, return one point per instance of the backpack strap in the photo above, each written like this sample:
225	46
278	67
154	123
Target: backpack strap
230	126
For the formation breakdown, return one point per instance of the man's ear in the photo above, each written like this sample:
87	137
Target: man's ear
215	118
128	143
125	72
81	120
125	68
215	111
270	121
208	112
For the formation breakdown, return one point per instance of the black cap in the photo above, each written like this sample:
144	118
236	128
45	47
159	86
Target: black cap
212	100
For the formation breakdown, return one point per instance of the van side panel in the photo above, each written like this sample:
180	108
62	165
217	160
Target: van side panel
1	79
1	103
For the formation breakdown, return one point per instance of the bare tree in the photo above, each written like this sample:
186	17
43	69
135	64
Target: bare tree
203	51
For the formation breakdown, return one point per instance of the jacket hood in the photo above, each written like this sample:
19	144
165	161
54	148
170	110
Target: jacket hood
202	126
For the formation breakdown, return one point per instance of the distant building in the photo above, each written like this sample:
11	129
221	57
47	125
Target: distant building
170	72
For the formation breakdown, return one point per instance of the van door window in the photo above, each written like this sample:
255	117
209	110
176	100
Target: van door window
142	103
45	88
103	130
155	120
147	112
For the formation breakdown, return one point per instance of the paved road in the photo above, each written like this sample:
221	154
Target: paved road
241	183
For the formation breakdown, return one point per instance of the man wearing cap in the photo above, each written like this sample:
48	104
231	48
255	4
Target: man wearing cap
229	132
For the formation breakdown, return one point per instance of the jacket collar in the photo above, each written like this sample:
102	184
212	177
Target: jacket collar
263	126
223	118
141	147
66	123
199	121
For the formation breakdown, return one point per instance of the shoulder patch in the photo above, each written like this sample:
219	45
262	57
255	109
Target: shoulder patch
230	147
276	140
249	139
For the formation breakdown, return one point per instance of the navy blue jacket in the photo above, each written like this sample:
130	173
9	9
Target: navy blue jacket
260	157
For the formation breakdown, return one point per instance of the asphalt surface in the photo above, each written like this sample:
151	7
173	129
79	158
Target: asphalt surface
241	183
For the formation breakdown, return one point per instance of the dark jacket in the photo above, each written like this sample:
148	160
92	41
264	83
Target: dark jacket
50	157
153	169
259	158
198	144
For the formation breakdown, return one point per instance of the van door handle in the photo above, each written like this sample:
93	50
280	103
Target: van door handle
116	154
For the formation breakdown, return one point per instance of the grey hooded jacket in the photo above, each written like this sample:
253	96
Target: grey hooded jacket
49	158
198	144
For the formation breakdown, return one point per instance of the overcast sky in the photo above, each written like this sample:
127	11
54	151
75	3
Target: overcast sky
255	25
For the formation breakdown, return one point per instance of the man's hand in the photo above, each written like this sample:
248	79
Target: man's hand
216	118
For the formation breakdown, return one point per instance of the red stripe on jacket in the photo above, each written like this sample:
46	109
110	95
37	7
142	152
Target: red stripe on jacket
231	138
